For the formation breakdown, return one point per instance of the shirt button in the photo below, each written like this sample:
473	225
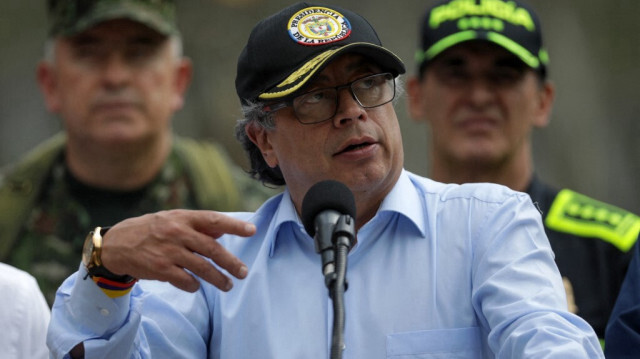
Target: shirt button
104	312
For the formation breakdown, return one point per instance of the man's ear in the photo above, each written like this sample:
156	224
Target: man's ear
260	137
414	99
545	104
184	74
46	77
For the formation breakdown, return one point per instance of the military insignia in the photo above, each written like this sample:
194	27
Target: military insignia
571	300
318	26
580	215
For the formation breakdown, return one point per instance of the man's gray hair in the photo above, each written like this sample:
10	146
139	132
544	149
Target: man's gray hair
254	115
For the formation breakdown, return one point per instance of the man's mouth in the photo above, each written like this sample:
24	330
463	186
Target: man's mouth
354	147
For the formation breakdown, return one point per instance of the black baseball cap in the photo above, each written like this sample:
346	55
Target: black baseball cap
511	24
287	49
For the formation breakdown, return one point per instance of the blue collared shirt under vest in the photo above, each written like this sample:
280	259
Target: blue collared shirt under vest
440	271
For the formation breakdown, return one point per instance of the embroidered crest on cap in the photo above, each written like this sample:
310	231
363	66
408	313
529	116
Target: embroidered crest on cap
318	26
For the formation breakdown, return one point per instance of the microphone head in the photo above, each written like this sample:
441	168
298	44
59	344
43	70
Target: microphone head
326	195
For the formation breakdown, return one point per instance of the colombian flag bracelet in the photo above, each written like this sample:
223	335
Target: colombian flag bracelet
112	288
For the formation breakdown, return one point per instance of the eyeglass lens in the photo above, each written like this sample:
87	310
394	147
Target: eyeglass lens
322	104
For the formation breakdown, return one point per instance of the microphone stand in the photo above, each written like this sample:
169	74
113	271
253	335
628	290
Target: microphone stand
343	238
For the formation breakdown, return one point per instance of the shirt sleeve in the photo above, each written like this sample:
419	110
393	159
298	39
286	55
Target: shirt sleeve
117	328
24	315
518	291
37	318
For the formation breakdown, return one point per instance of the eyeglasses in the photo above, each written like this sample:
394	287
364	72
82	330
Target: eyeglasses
322	104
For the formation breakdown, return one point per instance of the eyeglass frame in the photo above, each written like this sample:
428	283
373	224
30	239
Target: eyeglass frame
273	107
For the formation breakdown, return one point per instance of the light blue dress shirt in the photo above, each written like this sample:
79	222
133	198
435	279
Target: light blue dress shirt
441	271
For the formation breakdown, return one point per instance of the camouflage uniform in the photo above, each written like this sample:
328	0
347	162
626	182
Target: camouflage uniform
45	214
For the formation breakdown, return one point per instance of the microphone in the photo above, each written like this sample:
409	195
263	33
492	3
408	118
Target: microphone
328	211
322	207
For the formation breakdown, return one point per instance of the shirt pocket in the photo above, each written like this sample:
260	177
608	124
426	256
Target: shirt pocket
435	344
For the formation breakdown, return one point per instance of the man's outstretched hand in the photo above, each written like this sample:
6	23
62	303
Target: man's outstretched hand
162	245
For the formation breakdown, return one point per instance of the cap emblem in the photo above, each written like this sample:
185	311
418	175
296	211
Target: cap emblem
318	26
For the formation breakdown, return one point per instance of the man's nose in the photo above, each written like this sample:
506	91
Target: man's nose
348	107
481	90
116	70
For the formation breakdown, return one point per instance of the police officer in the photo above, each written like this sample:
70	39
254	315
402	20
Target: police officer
482	88
114	73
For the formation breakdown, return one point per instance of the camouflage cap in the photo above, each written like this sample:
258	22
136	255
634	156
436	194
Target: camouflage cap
70	17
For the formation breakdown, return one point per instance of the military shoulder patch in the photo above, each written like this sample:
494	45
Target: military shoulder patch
580	215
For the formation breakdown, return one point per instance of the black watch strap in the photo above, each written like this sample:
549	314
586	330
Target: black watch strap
102	272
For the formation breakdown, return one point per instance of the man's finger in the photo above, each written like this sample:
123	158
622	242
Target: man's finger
216	224
208	272
179	278
211	248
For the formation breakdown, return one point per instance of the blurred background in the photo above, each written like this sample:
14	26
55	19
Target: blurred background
591	145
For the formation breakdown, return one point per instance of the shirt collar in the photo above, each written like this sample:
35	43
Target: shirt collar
285	213
404	199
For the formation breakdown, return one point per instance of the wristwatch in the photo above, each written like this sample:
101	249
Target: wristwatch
91	252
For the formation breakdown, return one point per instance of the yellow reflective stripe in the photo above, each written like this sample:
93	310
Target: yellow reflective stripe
524	54
580	215
527	57
543	55
446	43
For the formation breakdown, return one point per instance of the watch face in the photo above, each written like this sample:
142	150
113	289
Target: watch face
87	249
